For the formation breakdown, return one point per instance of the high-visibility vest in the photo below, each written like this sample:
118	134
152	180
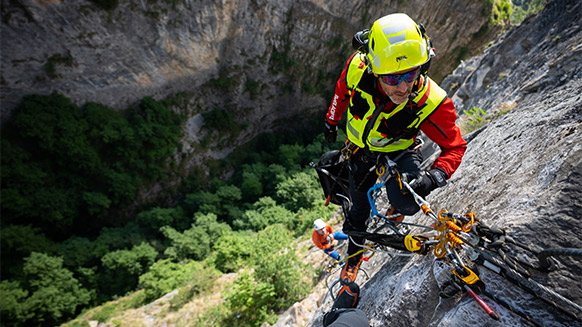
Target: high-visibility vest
383	136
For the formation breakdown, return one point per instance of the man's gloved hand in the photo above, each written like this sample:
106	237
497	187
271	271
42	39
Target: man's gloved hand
429	180
329	238
330	132
414	244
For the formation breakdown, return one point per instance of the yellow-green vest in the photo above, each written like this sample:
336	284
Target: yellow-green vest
424	104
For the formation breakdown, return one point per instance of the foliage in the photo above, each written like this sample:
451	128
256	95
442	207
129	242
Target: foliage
476	118
252	301
64	167
499	11
278	265
525	8
252	87
50	66
251	186
276	283
218	119
108	5
17	242
231	251
79	252
53	293
157	217
125	266
197	241
266	212
290	156
299	191
165	276
67	169
112	238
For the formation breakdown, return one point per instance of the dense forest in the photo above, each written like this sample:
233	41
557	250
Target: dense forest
68	245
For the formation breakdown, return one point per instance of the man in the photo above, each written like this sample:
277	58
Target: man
390	98
323	237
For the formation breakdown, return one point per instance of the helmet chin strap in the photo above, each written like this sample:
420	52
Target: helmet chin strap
414	94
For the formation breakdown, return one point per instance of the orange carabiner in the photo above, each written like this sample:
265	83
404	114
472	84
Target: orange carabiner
471	216
380	171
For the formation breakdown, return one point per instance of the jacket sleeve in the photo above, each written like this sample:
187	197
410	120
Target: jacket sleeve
440	127
341	97
316	240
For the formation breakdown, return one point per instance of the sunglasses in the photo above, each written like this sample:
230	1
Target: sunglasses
394	79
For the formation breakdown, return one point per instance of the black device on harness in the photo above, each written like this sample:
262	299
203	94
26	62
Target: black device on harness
333	176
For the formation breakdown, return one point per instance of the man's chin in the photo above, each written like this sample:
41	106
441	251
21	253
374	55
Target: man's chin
399	99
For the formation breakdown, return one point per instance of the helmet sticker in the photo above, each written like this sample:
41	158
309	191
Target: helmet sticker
390	29
397	38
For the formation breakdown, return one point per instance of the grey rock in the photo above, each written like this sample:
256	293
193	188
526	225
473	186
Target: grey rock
522	172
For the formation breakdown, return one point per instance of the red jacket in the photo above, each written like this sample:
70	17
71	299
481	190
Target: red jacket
439	127
321	240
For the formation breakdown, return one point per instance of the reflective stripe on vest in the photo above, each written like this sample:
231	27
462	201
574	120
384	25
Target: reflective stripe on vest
426	102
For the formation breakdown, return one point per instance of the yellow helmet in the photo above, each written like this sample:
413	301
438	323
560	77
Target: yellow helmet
397	43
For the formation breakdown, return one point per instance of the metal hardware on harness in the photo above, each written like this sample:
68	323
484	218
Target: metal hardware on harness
349	149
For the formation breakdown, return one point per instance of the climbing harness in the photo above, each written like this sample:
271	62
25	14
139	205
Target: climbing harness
452	234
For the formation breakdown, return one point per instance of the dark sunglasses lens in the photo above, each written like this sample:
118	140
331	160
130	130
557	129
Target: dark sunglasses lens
394	79
410	76
391	80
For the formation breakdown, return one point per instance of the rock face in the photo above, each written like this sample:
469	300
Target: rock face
522	172
145	48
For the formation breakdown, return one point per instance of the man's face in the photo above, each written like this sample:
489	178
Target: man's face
321	231
399	93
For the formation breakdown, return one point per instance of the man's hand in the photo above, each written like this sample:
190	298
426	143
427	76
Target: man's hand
329	238
429	180
330	132
414	244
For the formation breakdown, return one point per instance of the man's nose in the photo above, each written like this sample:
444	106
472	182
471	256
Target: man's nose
402	86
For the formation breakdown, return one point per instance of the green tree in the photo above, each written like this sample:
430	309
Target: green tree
266	212
277	264
290	156
204	202
300	190
165	276
254	302
197	241
114	238
49	295
18	242
157	217
274	175
78	252
231	250
251	186
64	167
12	310
123	268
